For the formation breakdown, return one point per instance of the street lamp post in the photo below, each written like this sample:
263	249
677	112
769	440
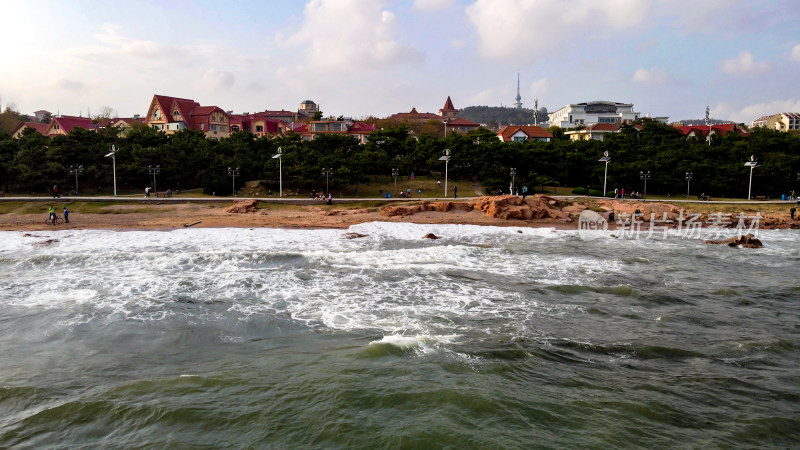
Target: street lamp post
395	173
279	155
605	159
446	159
513	174
154	171
327	172
688	181
752	164
76	170
233	173
644	176
113	155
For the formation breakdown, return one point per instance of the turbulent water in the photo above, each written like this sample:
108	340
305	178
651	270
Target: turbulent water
488	337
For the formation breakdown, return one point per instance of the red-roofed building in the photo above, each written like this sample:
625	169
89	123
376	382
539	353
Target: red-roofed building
787	121
123	123
358	130
172	114
517	133
41	128
448	111
64	124
596	132
414	116
259	124
459	125
703	130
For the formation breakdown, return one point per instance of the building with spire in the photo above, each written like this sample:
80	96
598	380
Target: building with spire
448	111
518	103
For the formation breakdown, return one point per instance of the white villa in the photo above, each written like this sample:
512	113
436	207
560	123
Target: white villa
591	113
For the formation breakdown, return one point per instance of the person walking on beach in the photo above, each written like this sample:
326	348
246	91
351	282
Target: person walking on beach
66	215
52	214
455	191
524	192
147	192
792	210
330	199
622	192
55	191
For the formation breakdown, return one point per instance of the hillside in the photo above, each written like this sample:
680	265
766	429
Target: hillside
501	115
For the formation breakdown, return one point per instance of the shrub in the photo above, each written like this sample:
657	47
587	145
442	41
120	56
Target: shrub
579	191
595	193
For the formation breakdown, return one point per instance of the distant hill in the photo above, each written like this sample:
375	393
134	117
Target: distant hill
490	115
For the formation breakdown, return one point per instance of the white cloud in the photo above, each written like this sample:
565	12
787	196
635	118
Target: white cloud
345	35
744	64
540	87
651	77
795	53
751	112
68	85
217	79
528	29
457	43
431	5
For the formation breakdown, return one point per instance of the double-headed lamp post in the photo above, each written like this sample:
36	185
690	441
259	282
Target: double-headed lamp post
154	171
395	173
605	159
76	169
688	182
113	155
446	159
645	176
513	174
752	164
233	173
327	172
279	155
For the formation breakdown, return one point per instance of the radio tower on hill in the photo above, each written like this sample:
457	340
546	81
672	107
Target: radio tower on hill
518	103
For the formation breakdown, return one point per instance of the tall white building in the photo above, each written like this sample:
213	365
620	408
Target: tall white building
591	113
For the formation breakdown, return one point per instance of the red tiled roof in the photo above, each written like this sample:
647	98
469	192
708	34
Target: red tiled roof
459	122
38	126
67	123
361	127
604	127
792	115
721	129
414	115
299	128
448	105
532	131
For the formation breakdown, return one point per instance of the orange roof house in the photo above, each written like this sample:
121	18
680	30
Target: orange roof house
521	133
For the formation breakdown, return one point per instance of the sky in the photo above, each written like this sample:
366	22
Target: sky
363	58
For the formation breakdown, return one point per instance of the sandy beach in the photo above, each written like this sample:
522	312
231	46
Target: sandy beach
538	211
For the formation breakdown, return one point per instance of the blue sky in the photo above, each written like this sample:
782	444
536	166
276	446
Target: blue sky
370	57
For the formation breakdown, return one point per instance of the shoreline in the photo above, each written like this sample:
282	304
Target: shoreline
504	211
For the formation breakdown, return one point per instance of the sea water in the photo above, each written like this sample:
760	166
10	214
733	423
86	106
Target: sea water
487	337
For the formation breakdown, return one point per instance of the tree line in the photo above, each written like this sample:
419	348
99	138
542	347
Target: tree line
187	159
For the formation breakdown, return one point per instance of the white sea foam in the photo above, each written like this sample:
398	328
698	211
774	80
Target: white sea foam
392	281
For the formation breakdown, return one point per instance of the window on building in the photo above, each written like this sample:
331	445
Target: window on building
259	128
202	126
519	138
336	126
235	128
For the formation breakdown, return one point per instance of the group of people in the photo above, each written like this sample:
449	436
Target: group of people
52	214
321	196
620	193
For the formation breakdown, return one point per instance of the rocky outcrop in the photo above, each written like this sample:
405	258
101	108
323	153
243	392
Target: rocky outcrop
243	207
430	236
746	241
